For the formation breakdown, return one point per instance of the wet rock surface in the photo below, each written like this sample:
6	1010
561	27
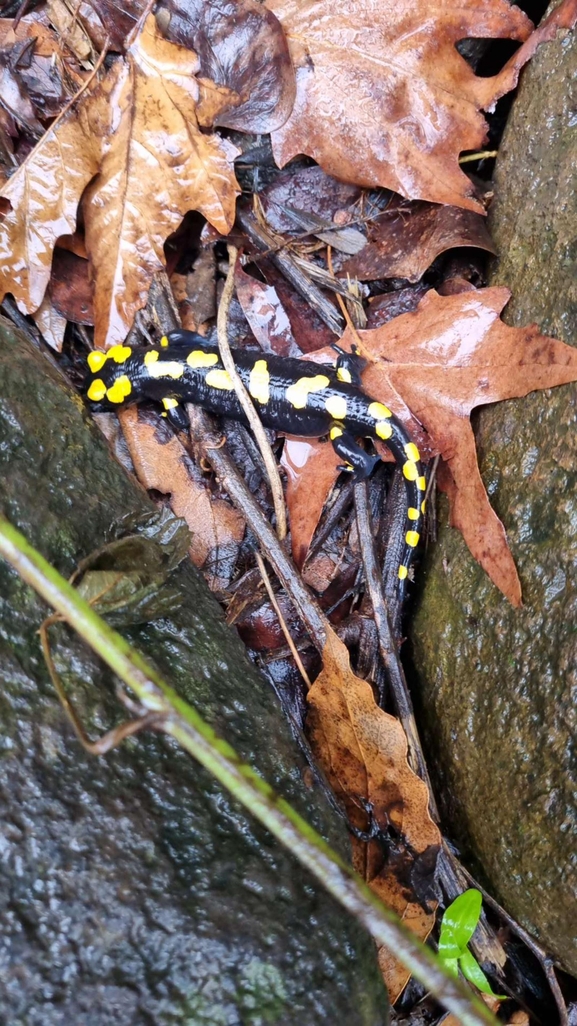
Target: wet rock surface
133	889
498	686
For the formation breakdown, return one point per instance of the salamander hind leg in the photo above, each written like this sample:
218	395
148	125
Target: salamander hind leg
357	461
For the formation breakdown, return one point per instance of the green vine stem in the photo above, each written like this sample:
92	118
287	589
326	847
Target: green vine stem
176	717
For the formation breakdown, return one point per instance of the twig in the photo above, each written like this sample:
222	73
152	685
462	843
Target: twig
343	306
245	399
387	646
477	156
293	649
211	443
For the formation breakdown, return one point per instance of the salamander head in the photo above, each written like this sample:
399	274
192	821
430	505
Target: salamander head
107	383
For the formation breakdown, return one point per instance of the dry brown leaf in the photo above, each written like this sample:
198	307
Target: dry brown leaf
162	464
363	752
137	131
453	354
383	96
405	239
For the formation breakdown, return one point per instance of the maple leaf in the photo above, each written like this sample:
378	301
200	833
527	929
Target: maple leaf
383	96
453	354
363	752
136	130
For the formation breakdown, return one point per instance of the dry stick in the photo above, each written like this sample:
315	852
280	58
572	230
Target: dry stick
281	619
387	646
245	399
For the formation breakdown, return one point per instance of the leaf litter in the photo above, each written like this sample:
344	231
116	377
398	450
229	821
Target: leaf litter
138	149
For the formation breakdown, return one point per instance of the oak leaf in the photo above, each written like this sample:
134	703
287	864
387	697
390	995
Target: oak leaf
363	752
383	96
134	140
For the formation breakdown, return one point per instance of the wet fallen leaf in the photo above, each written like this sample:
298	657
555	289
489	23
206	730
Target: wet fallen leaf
404	240
162	464
383	96
118	19
453	354
308	189
51	323
241	47
136	129
363	752
311	471
265	314
70	288
47	71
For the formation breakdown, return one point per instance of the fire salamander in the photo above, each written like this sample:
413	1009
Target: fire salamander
296	396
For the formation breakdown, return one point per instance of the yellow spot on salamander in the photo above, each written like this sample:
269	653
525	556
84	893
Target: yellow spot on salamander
412	513
169	403
343	374
120	390
97	390
335	432
119	353
336	405
412	538
412	452
297	394
259	382
403	573
165	368
96	360
198	358
383	429
423	504
219	379
379	411
164	342
410	470
422	483
150	357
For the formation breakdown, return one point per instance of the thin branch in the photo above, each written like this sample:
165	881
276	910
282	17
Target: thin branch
245	399
293	649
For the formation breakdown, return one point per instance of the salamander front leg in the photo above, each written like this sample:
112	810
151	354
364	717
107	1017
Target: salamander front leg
349	365
176	414
357	461
183	338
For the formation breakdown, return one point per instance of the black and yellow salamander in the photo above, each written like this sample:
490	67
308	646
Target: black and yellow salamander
295	396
